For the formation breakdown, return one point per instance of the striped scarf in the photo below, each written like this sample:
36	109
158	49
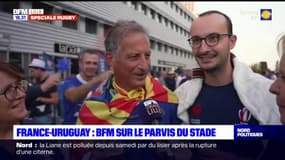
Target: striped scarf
121	103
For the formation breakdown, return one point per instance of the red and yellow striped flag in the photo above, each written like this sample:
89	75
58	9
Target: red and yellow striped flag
96	110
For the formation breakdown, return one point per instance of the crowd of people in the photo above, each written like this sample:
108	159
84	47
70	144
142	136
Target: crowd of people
226	91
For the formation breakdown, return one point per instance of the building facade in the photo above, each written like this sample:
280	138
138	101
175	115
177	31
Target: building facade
167	23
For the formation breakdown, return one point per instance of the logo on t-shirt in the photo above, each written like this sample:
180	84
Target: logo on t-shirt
152	107
195	113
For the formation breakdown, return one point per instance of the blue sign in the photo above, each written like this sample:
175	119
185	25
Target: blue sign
255	132
63	64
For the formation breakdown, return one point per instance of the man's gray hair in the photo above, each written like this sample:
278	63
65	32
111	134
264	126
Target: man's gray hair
119	31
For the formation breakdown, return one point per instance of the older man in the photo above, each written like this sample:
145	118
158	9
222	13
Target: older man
130	92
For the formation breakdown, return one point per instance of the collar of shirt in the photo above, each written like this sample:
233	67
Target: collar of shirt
137	94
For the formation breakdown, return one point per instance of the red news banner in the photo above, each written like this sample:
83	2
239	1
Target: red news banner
52	17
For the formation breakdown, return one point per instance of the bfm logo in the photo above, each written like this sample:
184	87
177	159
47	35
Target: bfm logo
22	14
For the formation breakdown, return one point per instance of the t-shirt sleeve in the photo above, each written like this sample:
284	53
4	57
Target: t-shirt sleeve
33	92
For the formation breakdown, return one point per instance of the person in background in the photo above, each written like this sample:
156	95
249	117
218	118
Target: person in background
40	108
128	93
266	72
180	74
161	77
170	79
229	92
81	86
188	76
37	90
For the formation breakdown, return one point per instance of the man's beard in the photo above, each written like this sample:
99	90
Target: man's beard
211	70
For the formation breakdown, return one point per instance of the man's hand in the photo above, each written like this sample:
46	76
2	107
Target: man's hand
104	76
52	81
74	94
97	80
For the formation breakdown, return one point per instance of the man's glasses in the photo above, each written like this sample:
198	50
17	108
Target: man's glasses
211	40
11	91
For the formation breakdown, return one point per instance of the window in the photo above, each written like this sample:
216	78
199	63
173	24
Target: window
152	13
144	9
166	22
189	18
165	48
134	5
9	6
159	18
3	55
69	24
152	44
171	24
47	8
171	50
15	58
185	33
159	46
177	9
189	55
171	5
106	29
91	26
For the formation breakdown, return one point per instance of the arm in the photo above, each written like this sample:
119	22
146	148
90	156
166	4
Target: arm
35	91
51	100
75	94
52	81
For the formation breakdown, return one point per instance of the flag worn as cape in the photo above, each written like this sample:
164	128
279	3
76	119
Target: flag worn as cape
113	105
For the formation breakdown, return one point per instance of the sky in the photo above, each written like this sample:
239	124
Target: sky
256	39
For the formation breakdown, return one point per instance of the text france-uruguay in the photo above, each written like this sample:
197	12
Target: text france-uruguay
53	132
